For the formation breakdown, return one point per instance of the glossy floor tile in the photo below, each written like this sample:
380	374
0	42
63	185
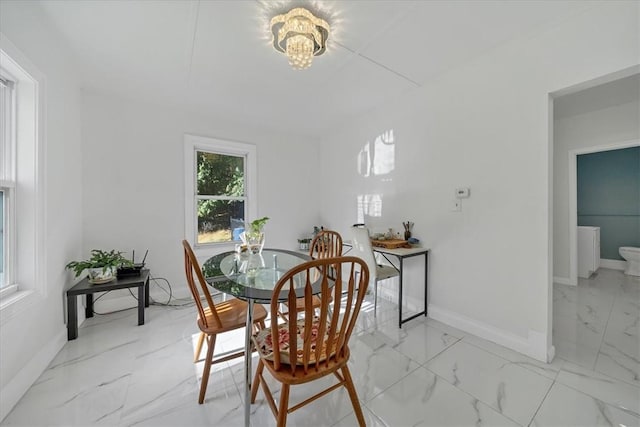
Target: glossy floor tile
425	374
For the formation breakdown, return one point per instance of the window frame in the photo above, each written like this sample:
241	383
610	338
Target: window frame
8	284
195	143
29	187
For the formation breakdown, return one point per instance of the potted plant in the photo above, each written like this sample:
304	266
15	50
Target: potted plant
101	266
254	236
304	243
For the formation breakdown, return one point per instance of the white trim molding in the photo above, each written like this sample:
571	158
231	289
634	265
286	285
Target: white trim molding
30	172
562	280
534	345
613	264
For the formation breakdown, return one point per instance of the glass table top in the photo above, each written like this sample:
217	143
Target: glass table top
252	276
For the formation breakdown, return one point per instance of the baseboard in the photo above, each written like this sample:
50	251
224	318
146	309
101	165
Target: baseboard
551	354
18	386
613	264
562	281
535	345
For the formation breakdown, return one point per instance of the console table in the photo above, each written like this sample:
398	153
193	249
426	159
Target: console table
401	254
85	288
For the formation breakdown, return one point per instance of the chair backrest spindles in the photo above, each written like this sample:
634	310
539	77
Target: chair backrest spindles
336	325
192	266
326	244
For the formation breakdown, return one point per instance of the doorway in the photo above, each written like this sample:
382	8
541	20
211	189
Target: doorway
573	198
593	117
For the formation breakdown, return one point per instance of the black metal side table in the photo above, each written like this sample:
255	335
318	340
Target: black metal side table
85	288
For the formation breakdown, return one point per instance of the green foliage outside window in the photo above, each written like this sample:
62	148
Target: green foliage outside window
221	176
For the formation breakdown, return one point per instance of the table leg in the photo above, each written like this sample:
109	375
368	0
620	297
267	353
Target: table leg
88	311
400	294
72	317
247	363
146	293
426	275
141	304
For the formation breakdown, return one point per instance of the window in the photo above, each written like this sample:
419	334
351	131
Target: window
22	167
220	187
7	182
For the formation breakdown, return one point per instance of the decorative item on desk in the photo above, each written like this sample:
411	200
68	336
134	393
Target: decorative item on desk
101	266
316	230
304	243
407	229
253	238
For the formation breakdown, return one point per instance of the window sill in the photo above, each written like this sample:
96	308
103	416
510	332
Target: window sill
14	304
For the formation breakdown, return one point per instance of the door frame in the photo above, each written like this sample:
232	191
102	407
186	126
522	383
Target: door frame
573	198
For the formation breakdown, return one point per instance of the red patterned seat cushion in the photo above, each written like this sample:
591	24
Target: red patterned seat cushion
262	341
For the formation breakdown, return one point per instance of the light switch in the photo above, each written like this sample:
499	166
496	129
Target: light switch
463	192
456	205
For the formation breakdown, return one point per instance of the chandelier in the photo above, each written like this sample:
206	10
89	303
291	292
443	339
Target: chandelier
299	35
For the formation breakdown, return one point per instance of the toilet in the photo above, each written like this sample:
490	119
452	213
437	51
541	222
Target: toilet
632	255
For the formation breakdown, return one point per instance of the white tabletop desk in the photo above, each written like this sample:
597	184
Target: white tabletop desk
401	254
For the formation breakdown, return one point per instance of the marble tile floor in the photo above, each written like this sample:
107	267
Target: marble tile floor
426	374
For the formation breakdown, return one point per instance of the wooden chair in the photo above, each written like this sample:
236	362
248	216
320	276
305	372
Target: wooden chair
326	244
362	248
214	319
317	343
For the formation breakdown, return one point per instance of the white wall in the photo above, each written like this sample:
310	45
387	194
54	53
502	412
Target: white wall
133	176
484	125
31	338
601	127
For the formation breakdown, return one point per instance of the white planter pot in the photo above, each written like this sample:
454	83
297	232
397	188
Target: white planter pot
101	275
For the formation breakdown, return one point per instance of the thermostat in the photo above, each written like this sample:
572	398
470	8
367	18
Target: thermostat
463	193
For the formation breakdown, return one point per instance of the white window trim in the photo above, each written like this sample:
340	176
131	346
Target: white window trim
195	143
9	228
30	278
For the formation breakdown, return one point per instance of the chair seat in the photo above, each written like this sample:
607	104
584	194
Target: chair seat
385	272
262	340
232	314
298	376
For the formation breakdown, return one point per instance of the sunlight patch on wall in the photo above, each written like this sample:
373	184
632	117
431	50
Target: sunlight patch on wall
369	205
378	157
385	153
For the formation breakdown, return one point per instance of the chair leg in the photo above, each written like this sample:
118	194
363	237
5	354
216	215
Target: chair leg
284	406
207	368
256	381
353	395
199	347
375	299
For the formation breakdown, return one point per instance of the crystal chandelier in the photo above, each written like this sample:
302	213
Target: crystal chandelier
300	35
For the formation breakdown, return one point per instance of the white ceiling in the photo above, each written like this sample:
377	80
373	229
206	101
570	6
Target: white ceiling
215	57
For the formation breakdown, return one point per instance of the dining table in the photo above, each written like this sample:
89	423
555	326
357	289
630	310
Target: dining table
252	277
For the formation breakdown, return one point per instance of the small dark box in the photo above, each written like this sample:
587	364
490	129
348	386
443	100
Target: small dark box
132	271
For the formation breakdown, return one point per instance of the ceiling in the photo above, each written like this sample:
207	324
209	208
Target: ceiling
215	57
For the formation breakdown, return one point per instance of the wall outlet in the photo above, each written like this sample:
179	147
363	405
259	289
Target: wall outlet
456	205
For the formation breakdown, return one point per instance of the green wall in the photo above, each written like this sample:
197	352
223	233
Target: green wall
609	197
